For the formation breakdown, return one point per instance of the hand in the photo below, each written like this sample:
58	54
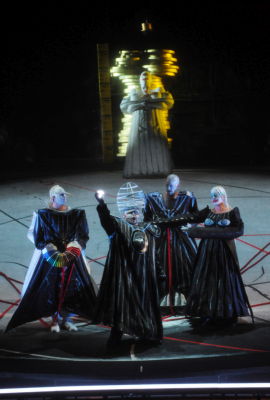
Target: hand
50	247
99	195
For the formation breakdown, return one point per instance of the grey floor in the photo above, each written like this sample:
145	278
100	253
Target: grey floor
246	345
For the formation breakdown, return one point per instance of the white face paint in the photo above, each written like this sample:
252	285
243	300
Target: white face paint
145	82
59	200
216	198
172	186
132	216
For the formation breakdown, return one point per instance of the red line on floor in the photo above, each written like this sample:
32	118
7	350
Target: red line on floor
252	245
253	257
243	269
166	316
44	323
9	308
172	319
9	302
10	281
216	345
95	259
261	304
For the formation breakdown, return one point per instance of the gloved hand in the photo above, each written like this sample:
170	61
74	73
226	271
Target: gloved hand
74	249
59	260
99	195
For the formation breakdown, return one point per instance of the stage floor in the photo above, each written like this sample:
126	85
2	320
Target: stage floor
31	353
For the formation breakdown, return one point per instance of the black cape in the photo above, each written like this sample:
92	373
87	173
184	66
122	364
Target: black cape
176	250
41	298
128	298
217	290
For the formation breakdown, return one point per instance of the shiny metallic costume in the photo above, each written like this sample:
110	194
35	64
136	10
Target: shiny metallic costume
46	283
128	299
217	290
176	252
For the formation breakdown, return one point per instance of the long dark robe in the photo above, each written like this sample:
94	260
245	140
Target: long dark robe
128	298
42	295
176	250
217	290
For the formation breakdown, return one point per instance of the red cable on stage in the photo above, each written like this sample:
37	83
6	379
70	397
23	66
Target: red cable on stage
95	259
172	319
261	304
255	255
252	245
169	259
253	265
9	308
216	345
10	281
63	289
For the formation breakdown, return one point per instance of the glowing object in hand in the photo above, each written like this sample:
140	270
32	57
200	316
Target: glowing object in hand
100	194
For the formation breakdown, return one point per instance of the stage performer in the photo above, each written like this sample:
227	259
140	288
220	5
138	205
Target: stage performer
176	250
58	282
218	294
128	299
147	151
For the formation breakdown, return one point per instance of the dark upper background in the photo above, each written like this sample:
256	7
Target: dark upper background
49	91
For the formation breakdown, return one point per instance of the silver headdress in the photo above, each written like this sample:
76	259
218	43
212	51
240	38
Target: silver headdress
130	197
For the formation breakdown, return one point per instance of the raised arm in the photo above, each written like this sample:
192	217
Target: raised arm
106	220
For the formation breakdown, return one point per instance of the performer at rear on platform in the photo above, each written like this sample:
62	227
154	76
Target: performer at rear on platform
128	299
218	294
176	250
58	281
147	152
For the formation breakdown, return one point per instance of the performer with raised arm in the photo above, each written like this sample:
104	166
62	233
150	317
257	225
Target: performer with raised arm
176	250
147	152
218	294
58	284
128	299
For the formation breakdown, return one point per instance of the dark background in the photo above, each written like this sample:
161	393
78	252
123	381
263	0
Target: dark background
49	108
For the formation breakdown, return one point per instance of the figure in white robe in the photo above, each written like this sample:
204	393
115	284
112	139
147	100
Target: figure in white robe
147	152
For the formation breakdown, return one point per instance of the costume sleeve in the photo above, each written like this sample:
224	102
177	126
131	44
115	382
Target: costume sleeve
194	205
106	220
179	220
82	234
233	231
124	105
38	233
148	213
30	233
160	100
193	217
236	220
128	106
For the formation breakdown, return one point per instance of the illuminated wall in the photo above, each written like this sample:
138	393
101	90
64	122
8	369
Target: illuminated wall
127	68
105	102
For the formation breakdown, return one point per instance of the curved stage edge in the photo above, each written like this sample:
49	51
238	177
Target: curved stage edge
238	353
